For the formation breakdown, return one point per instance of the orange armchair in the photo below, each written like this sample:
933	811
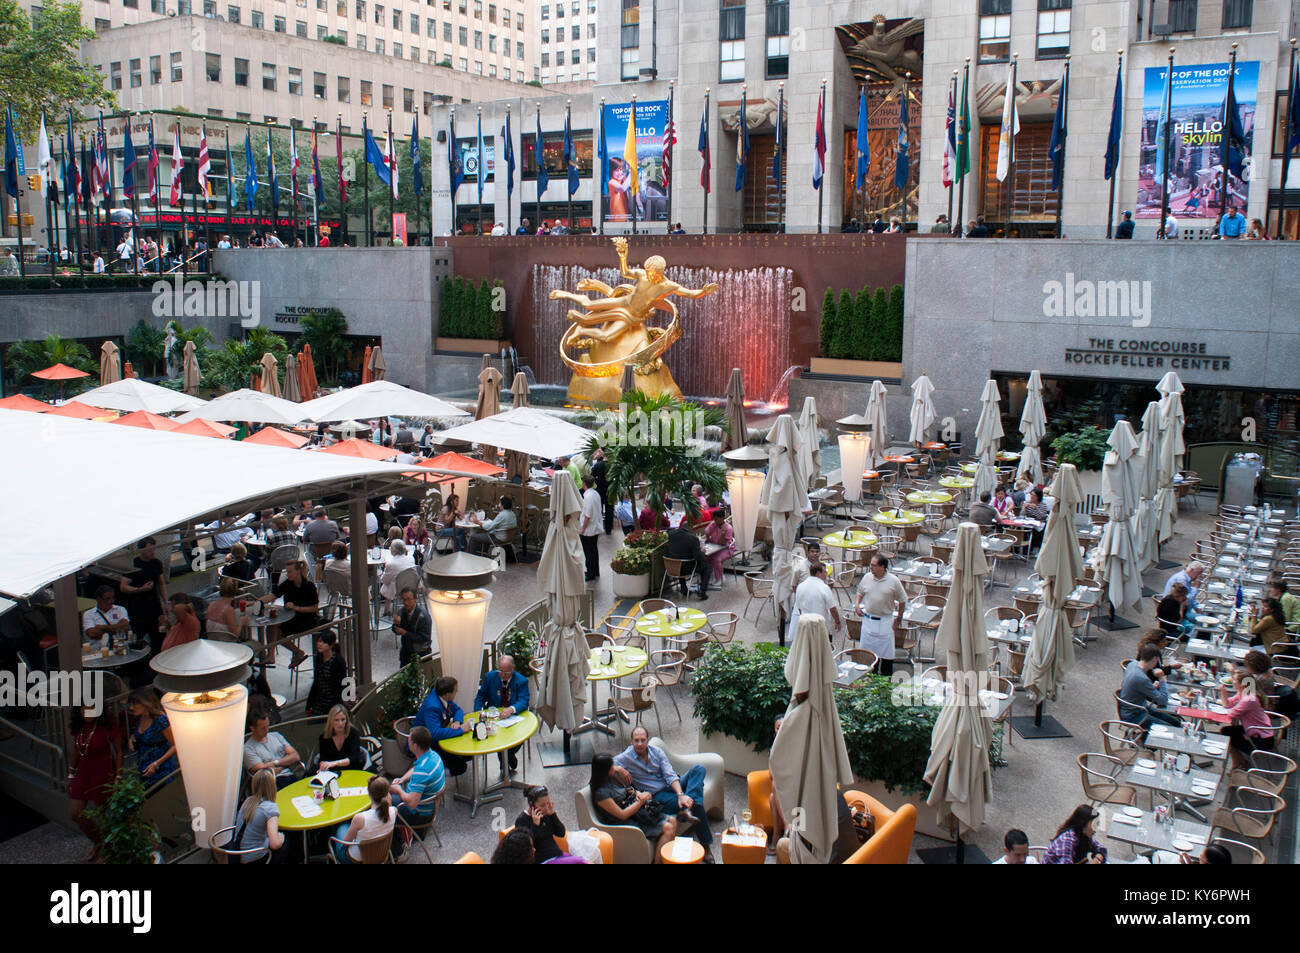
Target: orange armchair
471	858
894	829
606	843
760	803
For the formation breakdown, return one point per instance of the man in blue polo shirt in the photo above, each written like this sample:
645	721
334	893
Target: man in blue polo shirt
1233	224
417	789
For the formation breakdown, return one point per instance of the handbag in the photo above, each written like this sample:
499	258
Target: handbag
651	810
864	824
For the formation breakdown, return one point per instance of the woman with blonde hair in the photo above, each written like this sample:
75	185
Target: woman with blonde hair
223	613
376	821
340	744
257	823
398	561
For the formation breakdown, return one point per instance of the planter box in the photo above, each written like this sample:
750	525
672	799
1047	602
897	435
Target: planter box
657	567
475	346
631	587
839	367
737	757
926	816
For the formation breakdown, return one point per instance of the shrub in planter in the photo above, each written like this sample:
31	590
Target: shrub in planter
127	839
887	742
740	692
826	331
401	697
521	645
1086	448
631	561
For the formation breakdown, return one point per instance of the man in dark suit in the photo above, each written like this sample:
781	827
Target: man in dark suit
600	473
983	513
684	544
507	690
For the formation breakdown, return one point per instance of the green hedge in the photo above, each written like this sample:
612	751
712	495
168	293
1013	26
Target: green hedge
466	310
36	280
862	326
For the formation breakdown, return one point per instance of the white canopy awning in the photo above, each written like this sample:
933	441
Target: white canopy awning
250	406
132	393
77	491
377	399
525	429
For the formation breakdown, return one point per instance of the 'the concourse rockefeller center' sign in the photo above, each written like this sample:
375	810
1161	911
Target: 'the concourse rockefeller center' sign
1147	354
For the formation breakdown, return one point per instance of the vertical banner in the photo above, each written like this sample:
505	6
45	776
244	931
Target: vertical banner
1196	175
399	226
616	177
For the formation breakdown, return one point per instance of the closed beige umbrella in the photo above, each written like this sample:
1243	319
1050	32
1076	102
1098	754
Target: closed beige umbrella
809	432
292	379
878	414
560	576
1170	455
1033	427
270	375
988	431
1146	521
738	431
190	371
922	415
489	401
785	494
516	462
958	772
809	757
378	369
1116	553
110	364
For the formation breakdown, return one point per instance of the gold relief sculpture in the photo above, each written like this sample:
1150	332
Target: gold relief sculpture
614	331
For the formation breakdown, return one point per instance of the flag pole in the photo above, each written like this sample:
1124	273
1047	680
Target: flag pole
1164	168
482	168
18	202
230	186
343	197
1011	150
902	202
365	180
568	124
632	122
821	189
668	131
959	225
956	119
1223	149
196	198
184	262
157	198
392	184
108	196
1290	132
418	200
316	183
69	186
135	217
539	159
1114	173
293	179
780	166
1065	113
510	216
451	172
92	228
598	199
707	130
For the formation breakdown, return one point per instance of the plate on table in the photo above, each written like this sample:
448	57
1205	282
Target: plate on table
1133	811
933	608
1183	845
618	648
1202	789
859	667
1145	763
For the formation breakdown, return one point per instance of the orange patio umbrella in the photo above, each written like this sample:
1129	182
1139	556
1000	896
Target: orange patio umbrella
23	402
365	366
79	411
142	418
128	371
271	437
462	463
308	365
59	373
352	447
199	427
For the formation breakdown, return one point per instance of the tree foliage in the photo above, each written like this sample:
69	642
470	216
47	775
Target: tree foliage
842	341
326	332
231	366
24	357
860	334
826	332
144	349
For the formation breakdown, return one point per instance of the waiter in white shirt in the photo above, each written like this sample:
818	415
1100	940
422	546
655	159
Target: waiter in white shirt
878	595
814	597
591	526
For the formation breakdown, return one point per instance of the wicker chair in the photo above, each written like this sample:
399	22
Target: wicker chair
1099	774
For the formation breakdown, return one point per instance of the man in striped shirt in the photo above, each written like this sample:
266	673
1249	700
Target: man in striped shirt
417	789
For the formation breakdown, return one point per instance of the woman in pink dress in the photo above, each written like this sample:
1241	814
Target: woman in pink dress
719	531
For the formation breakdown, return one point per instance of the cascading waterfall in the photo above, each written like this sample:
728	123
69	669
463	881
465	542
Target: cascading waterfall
746	325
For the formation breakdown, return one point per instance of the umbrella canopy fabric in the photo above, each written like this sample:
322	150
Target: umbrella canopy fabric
1146	524
922	414
352	447
1033	427
785	494
516	462
879	416
59	372
292	379
190	371
128	371
1051	651
988	431
1116	553
145	420
560	576
365	367
204	428
308	365
79	411
463	464
1170	455
273	437
378	368
958	771
350	428
110	363
489	400
249	406
737	434
810	441
23	402
270	375
377	399
809	757
131	393
525	429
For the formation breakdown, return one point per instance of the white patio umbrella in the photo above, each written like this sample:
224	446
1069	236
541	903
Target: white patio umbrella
1033	427
1146	524
809	757
560	578
879	417
1051	653
377	399
810	441
1170	455
785	494
526	429
922	413
958	771
249	406
988	431
131	393
1116	552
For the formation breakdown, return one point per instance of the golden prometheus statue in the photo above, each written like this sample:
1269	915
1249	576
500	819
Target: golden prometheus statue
614	331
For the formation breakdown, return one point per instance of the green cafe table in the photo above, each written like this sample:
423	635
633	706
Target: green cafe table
956	483
894	518
625	660
659	625
1006	456
467	746
929	496
300	811
848	540
969	467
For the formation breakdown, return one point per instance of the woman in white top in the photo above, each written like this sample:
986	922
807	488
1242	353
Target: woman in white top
398	560
376	821
223	614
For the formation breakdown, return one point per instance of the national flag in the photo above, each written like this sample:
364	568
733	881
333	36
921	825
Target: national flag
670	137
950	135
11	155
1161	125
153	166
629	154
338	154
1293	112
454	164
863	148
1116	125
293	163
1234	135
43	160
417	175
205	163
778	139
317	184
101	183
270	170
571	157
178	166
1010	125
902	160
250	170
508	138
390	157
742	142
963	134
74	172
374	155
128	161
602	155
84	181
703	149
1056	145
539	160
819	143
481	153
69	164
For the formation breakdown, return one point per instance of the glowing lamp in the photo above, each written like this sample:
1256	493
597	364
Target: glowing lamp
745	483
855	450
207	706
458	604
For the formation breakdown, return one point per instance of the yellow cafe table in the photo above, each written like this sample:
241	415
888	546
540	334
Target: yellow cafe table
624	660
928	496
1006	456
660	624
956	483
848	540
467	746
894	518
300	811
969	467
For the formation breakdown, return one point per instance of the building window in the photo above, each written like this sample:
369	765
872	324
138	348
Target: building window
591	54
492	13
388	96
279	25
630	39
359	8
575	32
379	14
415	55
546	60
367	93
213	62
1053	28
155	70
778	38
1182	16
361	41
462	35
591	31
731	37
177	73
519	21
115	75
270	120
492	70
295	81
300	28
133	4
505	17
397	50
559	57
546	11
492	43
1237	14
344	89
241	72
101	25
156	6
446	32
478	39
320	31
136	81
379	45
233	13
318	85
519	51
209	7
995	31
478	9
408	100
182	7
463	64
343	37
546	36
428	102
415	24
397	20
430	29
255	19
217	113
268	77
